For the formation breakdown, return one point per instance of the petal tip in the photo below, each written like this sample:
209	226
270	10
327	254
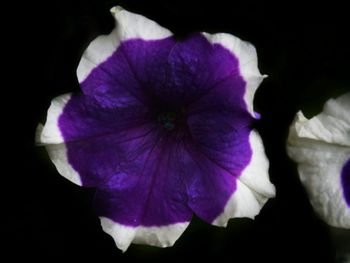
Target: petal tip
257	115
58	155
300	116
116	9
121	235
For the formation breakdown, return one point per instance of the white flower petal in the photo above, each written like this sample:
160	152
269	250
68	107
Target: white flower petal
242	203
50	132
131	25
319	167
162	236
128	26
97	52
50	136
253	186
321	146
58	155
256	174
248	62
331	126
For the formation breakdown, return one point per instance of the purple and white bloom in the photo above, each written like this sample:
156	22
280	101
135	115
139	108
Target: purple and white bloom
162	129
321	148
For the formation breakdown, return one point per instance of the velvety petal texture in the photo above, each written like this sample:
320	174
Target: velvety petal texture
163	129
321	147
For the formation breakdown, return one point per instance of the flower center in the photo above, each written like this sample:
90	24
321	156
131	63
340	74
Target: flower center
172	119
167	120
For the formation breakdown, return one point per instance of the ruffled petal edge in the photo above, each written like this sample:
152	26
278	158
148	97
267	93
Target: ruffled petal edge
253	186
248	63
320	147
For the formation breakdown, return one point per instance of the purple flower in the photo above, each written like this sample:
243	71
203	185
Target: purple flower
162	129
321	147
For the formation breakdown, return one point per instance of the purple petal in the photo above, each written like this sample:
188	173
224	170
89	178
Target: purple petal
127	76
174	179
220	128
248	62
98	139
209	185
198	67
150	190
220	125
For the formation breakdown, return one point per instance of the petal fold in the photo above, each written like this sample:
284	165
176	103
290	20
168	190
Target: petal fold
253	186
321	147
331	126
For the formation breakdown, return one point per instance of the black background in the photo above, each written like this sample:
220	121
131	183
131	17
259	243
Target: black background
305	52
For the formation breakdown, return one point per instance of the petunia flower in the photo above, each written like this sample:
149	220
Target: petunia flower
321	148
163	129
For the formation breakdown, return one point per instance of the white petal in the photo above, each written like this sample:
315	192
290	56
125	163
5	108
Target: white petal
58	155
253	186
332	125
50	136
131	25
256	174
319	167
50	132
248	62
128	26
320	146
97	52
242	203
162	236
